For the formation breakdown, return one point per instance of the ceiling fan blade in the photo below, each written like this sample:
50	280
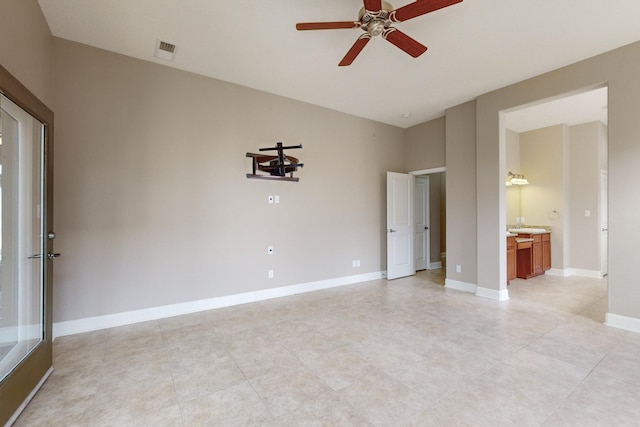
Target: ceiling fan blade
373	5
404	42
418	8
302	26
355	50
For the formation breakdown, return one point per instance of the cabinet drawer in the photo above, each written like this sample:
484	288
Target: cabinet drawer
525	245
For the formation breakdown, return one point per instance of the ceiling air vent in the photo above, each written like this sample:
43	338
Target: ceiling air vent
165	50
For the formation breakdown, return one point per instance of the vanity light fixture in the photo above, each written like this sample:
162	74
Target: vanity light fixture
516	179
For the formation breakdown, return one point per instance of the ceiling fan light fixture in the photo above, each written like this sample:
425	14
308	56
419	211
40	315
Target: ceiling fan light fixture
375	28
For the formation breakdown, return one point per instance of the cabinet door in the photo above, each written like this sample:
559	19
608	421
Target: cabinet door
511	258
546	252
537	255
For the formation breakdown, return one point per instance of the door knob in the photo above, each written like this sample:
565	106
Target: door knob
51	255
426	228
391	230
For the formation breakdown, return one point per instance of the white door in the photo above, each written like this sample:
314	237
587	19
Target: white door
423	255
604	222
400	225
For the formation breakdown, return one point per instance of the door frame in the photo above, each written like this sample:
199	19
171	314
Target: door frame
20	386
432	171
603	222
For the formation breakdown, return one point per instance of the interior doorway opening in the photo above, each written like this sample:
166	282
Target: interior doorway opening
560	145
430	219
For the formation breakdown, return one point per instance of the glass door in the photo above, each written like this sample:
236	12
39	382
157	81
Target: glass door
21	235
25	248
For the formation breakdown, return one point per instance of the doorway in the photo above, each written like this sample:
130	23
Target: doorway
421	195
560	146
26	248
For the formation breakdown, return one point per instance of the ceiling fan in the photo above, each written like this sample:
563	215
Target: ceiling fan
375	19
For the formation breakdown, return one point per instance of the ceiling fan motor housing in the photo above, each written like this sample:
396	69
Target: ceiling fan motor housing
374	22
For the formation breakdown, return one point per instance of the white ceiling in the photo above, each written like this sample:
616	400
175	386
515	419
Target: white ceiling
474	47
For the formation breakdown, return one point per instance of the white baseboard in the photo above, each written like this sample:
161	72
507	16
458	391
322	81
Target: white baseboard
558	272
580	272
435	265
89	324
498	295
622	322
596	274
460	286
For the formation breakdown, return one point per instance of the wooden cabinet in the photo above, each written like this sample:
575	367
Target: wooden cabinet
533	257
511	258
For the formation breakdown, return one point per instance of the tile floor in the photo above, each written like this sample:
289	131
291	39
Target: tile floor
405	352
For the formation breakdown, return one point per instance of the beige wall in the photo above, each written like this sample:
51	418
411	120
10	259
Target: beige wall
586	162
153	206
545	160
424	145
512	147
618	69
25	46
461	193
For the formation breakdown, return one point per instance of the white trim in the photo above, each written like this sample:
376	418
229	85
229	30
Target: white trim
428	171
501	295
558	272
435	265
89	324
460	286
568	272
26	401
622	322
596	274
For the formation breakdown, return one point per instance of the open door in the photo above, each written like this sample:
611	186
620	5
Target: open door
26	247
400	225
423	240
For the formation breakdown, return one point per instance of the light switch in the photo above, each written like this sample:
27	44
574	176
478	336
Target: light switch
270	199
587	212
270	250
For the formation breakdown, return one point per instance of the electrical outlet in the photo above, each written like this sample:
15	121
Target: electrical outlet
270	199
270	274
277	198
458	268
357	263
270	250
587	212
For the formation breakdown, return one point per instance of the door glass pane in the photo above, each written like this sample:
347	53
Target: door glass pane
21	235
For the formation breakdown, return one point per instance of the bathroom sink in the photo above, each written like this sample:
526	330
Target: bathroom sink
528	230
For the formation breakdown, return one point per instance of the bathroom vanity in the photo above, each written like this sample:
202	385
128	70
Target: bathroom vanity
532	252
